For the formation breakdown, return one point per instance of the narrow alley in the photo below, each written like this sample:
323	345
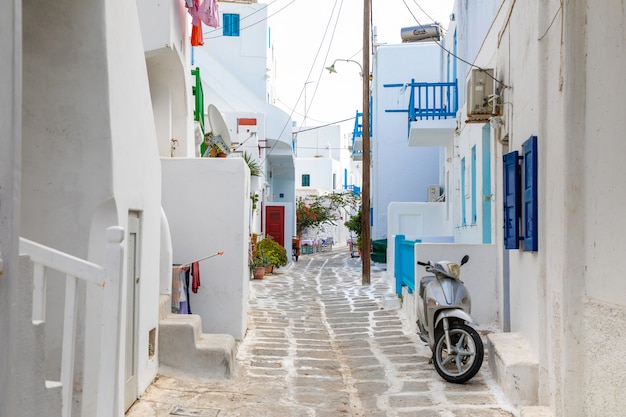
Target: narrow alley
319	344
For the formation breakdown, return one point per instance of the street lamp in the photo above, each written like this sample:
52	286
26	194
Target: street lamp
332	69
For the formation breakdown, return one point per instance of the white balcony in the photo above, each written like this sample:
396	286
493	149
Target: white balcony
439	132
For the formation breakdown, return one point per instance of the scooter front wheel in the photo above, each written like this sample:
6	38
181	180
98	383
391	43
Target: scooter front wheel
459	362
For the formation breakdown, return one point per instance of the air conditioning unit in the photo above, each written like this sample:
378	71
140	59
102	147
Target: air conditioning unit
481	100
434	191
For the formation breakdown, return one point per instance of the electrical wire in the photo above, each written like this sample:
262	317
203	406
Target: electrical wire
267	154
552	22
332	37
253	24
328	124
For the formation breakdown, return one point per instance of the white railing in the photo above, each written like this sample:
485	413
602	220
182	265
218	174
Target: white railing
108	279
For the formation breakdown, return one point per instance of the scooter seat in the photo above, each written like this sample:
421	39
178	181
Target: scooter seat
424	282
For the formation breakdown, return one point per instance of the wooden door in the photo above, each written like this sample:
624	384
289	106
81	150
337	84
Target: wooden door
275	223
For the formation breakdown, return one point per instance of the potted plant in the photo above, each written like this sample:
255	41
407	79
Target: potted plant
276	253
259	262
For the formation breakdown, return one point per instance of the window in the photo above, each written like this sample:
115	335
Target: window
230	24
306	180
521	191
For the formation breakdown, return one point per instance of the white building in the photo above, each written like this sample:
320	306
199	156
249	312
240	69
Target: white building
534	176
400	173
238	74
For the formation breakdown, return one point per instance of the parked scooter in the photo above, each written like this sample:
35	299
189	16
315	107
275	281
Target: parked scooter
443	312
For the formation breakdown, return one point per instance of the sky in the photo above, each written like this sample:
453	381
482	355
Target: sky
308	35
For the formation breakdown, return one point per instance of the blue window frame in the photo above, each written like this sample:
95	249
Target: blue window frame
531	230
306	180
473	179
463	209
230	24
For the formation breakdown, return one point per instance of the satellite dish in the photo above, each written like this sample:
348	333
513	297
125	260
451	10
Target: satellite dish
220	136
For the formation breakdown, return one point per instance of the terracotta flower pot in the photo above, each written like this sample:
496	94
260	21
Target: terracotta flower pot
269	269
258	272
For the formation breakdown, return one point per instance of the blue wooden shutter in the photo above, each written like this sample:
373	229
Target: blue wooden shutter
531	229
511	200
230	23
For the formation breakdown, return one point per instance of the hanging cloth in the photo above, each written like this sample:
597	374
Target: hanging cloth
195	276
209	13
175	298
196	24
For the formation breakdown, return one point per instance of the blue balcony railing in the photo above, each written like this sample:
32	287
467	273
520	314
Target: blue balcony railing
357	133
429	101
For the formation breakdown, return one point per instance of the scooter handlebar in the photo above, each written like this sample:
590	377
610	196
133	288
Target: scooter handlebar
423	263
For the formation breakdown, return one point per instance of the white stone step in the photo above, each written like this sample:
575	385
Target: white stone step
536	412
185	350
515	368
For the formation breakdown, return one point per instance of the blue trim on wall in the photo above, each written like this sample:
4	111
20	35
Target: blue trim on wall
473	173
463	209
486	188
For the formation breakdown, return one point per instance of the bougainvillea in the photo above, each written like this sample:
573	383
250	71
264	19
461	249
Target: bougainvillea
312	211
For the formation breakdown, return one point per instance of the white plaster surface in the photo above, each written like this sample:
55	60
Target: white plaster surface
207	203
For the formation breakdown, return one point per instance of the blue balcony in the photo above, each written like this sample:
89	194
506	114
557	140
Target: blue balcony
357	138
431	112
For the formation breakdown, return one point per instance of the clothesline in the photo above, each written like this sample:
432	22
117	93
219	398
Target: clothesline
201	259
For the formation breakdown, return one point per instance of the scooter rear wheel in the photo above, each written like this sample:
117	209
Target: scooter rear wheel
462	361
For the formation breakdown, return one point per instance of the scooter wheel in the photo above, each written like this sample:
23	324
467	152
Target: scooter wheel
462	361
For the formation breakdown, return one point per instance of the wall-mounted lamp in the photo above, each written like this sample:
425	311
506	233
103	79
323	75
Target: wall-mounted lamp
331	69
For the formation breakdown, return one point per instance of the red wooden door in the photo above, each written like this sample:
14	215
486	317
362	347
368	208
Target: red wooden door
275	223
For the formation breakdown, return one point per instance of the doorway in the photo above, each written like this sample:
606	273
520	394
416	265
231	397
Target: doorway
132	296
275	223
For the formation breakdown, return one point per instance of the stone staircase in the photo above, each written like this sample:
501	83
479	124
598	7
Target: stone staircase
185	350
516	371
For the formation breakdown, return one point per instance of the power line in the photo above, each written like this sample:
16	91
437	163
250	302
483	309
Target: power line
255	23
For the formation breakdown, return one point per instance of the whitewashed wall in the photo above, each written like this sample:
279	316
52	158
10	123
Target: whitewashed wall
207	203
93	155
567	299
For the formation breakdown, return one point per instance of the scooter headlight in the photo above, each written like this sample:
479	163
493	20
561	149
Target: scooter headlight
454	270
431	302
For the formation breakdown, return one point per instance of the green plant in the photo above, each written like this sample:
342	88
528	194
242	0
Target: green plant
253	164
260	260
275	251
314	211
254	198
355	225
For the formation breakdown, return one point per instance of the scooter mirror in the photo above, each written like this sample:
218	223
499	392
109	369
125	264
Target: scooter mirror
464	260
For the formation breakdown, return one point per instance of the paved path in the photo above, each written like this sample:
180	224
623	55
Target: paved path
320	344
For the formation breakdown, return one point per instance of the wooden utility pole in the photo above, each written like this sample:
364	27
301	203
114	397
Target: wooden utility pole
365	189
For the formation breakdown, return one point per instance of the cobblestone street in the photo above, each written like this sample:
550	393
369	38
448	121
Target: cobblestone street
319	344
